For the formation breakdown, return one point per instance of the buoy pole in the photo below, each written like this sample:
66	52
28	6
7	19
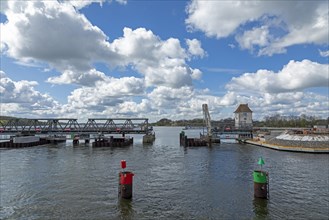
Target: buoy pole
261	178
125	182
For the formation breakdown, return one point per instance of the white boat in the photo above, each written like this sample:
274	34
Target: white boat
228	138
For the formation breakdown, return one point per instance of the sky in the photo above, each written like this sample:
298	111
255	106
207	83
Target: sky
163	59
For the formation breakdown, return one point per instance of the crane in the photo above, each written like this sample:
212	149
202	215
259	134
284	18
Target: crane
207	120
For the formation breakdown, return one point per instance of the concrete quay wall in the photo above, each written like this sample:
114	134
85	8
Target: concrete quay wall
317	147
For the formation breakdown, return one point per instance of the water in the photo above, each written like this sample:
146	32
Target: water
170	182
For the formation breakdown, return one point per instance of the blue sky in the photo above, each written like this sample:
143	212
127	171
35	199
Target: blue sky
163	59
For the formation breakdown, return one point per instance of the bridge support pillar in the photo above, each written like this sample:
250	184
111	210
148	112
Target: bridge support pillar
148	138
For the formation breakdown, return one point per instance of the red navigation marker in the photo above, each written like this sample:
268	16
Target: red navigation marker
125	182
123	164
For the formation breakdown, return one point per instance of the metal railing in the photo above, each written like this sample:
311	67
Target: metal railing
64	125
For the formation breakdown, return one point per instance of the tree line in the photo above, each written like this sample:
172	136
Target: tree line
269	121
303	121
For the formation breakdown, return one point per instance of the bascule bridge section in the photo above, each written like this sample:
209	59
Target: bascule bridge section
69	128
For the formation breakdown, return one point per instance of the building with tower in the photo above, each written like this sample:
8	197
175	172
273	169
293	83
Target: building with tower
243	117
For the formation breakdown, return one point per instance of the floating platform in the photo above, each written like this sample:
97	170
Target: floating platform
214	139
113	142
12	144
195	142
192	142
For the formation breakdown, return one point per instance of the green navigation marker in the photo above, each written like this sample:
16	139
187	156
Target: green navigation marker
261	161
261	187
259	176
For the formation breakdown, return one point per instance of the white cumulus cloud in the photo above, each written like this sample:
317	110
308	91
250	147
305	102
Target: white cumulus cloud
256	37
162	62
285	92
109	92
57	35
295	76
54	33
87	78
167	97
298	22
194	47
220	18
83	3
22	97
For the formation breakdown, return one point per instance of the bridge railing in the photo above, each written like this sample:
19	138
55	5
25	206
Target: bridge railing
62	125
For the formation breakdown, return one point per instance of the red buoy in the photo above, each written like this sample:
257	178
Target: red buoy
123	164
126	178
125	182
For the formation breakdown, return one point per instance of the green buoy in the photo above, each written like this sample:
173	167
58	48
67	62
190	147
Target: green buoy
260	181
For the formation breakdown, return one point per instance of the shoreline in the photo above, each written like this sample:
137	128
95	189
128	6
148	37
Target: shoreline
288	148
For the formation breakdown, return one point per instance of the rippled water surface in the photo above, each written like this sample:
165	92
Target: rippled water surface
170	182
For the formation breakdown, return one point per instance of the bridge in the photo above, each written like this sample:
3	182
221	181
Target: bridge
71	125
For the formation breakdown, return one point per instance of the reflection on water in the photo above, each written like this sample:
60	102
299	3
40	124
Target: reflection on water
171	182
260	208
125	209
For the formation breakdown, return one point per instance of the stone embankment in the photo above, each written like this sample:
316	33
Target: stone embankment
290	141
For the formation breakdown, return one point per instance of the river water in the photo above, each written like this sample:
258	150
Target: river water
171	182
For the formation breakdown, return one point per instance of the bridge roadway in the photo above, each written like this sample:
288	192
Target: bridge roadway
71	125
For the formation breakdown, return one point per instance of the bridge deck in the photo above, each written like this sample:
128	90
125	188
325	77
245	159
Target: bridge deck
71	125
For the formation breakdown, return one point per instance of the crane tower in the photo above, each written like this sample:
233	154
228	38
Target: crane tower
207	120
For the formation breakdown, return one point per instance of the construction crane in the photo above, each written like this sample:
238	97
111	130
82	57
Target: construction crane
207	120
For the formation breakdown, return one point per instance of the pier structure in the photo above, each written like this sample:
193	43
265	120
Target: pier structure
205	139
67	125
60	129
234	134
192	142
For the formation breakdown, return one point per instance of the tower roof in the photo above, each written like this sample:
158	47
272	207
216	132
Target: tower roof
243	108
